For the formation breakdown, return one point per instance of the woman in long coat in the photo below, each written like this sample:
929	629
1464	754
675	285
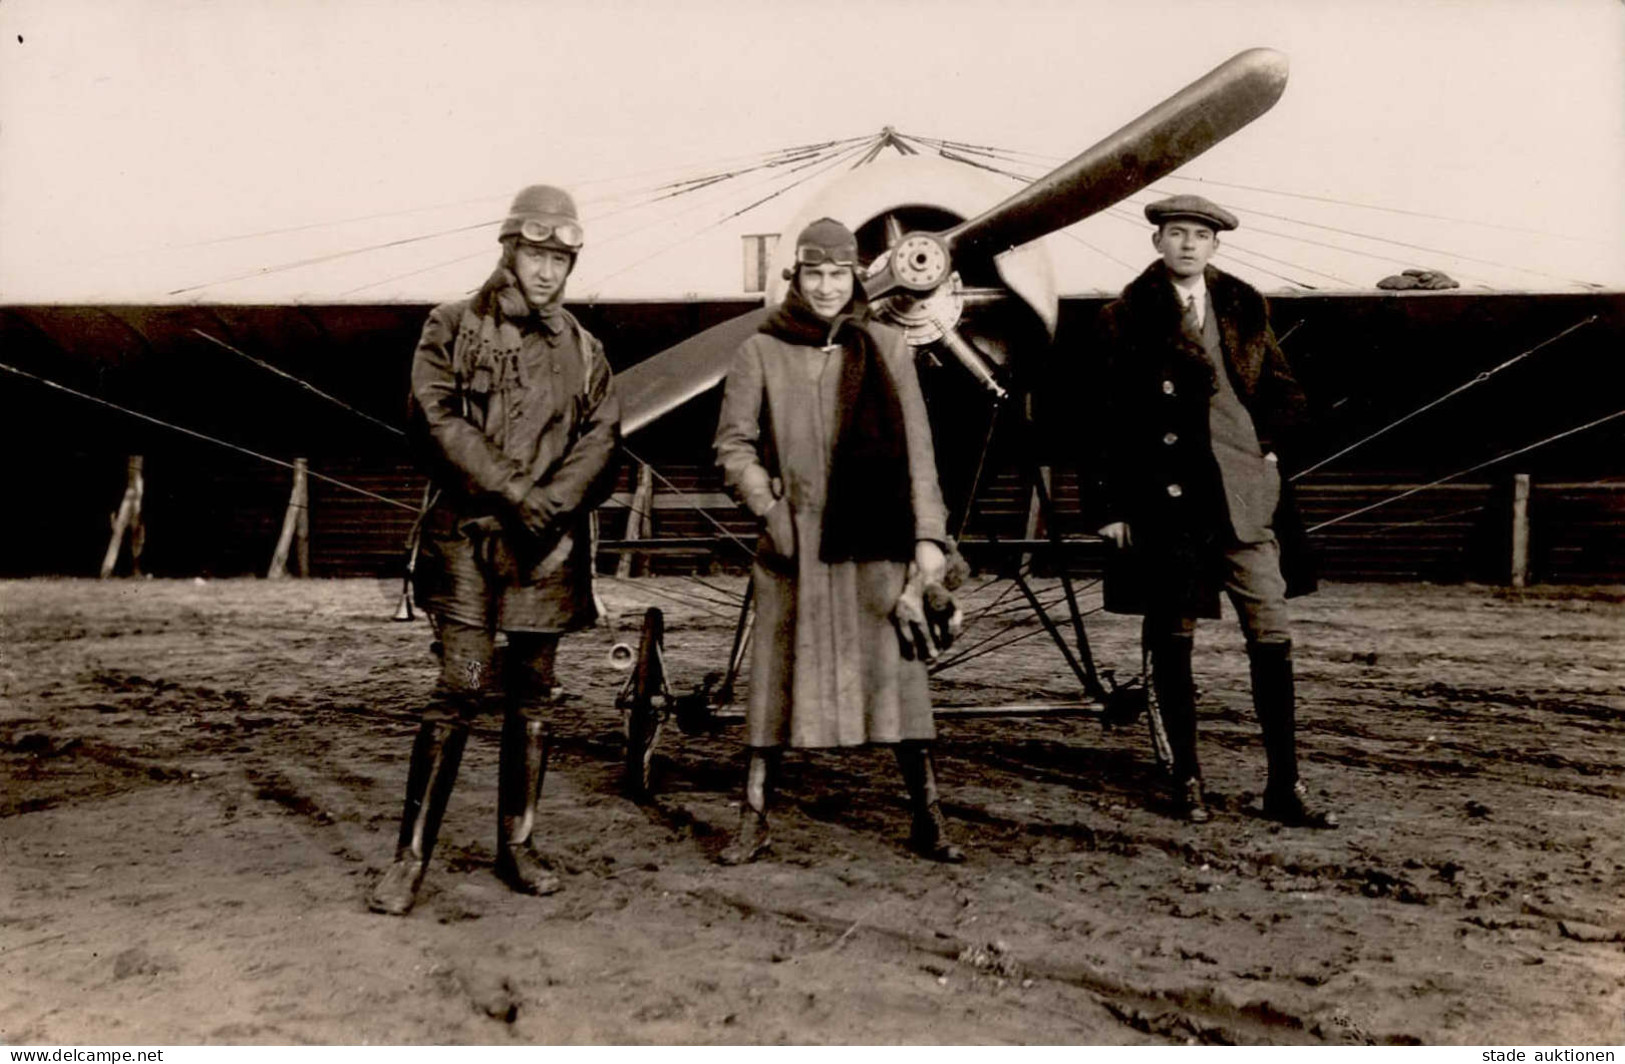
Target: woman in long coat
823	436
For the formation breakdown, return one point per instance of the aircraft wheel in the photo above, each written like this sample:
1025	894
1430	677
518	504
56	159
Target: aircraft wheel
645	704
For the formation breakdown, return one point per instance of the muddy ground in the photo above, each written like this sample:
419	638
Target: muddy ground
200	781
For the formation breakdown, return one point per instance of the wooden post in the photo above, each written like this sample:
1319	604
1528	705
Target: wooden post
301	534
1520	530
639	522
127	521
1035	517
295	527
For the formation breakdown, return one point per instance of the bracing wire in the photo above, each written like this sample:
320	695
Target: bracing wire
1378	207
1124	216
1460	257
787	155
306	385
1471	469
705	166
316	260
667	593
594	219
830	163
205	437
694	505
1006	157
1050	159
703	202
1435	519
1476	380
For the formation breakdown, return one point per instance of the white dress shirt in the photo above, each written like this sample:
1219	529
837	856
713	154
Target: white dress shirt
1193	288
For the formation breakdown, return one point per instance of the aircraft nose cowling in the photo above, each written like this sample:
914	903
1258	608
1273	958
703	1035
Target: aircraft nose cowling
917	182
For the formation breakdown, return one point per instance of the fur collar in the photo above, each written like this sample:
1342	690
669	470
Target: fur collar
1151	303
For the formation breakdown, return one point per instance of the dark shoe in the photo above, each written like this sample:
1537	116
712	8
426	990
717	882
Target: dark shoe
1192	802
751	841
1275	701
521	769
930	837
527	871
436	755
1176	701
1295	810
397	889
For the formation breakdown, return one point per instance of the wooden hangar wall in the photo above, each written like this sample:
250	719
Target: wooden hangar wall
1366	361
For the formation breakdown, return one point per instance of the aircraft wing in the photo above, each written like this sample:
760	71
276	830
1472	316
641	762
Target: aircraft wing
663	382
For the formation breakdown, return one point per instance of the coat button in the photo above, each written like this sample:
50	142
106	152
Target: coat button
1170	438
1167	387
1175	491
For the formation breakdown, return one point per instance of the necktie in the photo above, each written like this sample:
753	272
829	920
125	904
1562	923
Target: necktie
1190	322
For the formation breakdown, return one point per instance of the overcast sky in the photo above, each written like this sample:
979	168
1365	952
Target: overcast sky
157	150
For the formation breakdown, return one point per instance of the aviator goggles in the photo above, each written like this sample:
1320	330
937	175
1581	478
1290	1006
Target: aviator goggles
567	233
813	255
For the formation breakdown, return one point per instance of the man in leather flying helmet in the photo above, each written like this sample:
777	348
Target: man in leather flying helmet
514	412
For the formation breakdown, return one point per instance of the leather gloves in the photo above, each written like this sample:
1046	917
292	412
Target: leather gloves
926	617
536	512
908	617
943	618
777	547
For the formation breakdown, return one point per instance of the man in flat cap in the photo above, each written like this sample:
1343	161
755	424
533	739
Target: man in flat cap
1198	412
515	415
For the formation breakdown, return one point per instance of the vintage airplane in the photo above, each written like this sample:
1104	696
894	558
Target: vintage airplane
965	275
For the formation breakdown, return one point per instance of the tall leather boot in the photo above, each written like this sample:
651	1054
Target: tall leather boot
1176	701
753	838
521	769
1275	701
929	836
436	755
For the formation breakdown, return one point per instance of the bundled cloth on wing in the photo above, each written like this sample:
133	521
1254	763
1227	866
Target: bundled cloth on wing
868	515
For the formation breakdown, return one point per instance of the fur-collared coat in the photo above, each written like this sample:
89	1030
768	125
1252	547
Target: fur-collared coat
1153	462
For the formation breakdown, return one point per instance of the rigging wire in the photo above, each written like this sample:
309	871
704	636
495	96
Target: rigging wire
667	593
599	281
594	219
1427	520
706	166
1054	160
971	655
1230	247
693	504
1479	379
733	599
315	260
1254	211
1317	225
1124	216
206	438
1378	207
1472	469
703	202
399	242
1130	218
386	426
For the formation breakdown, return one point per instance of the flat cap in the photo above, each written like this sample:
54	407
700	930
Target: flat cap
1198	207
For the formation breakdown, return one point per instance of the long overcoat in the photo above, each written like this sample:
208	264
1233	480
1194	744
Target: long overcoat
1153	456
826	668
497	412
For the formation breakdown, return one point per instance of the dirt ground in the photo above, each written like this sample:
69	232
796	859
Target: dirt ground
200	781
